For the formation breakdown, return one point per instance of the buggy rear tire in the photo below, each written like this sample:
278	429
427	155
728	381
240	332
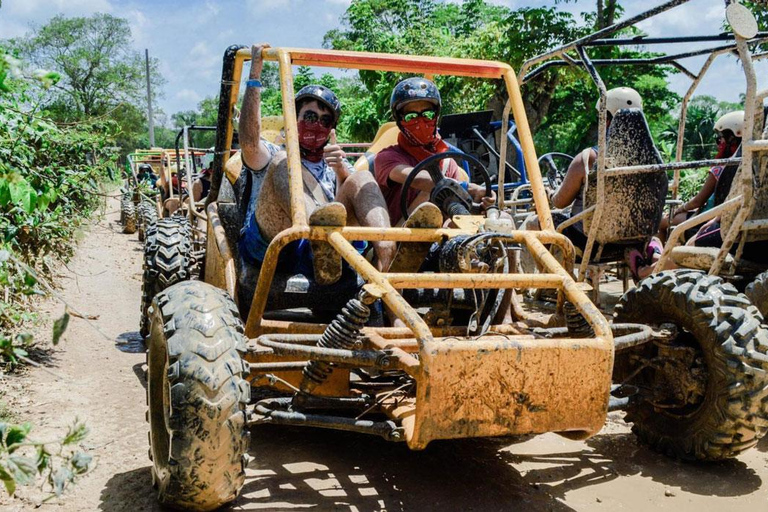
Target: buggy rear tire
167	261
757	291
128	211
196	397
723	332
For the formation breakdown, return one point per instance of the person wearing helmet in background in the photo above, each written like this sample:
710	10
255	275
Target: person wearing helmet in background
729	129
570	191
328	176
146	174
416	105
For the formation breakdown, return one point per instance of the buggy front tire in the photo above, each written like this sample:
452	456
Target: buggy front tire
167	261
196	395
720	352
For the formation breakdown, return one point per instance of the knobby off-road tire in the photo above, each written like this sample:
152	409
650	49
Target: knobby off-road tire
127	215
147	217
167	250
757	291
196	396
732	413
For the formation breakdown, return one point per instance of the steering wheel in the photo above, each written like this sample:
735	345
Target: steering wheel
447	193
555	173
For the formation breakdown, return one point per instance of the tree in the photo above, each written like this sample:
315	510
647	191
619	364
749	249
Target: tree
100	72
559	103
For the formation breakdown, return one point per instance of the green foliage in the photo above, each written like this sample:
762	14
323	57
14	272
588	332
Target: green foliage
59	462
560	103
97	73
699	139
50	181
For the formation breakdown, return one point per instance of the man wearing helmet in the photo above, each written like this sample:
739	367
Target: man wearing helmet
415	106
729	129
328	177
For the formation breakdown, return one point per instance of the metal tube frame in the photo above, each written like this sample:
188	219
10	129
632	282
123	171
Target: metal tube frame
754	99
555	275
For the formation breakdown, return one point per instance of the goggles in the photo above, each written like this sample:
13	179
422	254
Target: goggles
428	114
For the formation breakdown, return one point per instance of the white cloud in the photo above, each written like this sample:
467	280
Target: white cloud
261	6
188	96
213	8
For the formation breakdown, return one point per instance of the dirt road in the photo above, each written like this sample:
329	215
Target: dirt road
297	469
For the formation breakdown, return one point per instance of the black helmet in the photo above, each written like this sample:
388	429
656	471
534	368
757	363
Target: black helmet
414	89
145	168
322	94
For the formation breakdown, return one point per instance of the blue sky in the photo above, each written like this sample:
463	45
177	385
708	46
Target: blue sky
189	37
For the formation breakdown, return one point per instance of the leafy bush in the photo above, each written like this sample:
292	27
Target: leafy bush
59	461
50	182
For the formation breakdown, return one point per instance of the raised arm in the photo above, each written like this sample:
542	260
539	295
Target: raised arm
254	152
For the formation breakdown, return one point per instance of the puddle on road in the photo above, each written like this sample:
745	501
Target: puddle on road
130	342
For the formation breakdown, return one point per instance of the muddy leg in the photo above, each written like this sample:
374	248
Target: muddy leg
361	196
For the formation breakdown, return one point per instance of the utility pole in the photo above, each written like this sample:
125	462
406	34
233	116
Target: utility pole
149	105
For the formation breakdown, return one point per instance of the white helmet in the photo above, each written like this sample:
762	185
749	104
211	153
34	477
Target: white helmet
621	97
733	121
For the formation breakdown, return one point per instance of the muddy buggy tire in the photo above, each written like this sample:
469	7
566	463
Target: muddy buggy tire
731	413
147	217
757	292
131	224
196	397
127	214
167	255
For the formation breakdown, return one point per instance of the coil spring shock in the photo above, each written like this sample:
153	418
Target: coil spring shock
576	323
342	333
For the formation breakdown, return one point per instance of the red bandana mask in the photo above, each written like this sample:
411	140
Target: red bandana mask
420	131
420	139
726	150
312	140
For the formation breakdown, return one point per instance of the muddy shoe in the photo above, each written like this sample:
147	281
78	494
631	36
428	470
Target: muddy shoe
410	255
325	259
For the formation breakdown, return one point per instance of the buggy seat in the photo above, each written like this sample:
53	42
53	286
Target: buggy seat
633	204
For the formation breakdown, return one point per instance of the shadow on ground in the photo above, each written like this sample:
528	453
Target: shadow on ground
130	492
303	468
614	456
131	342
298	468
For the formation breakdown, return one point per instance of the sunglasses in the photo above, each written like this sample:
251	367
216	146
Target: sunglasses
311	117
429	114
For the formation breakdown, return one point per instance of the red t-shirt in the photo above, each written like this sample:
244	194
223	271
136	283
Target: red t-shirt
386	160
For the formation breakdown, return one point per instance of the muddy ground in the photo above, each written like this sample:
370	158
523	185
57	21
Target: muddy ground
103	383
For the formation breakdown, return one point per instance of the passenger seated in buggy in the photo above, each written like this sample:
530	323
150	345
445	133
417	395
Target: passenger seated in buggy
333	193
728	129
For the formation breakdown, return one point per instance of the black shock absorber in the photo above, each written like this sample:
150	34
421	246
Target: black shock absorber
576	323
342	333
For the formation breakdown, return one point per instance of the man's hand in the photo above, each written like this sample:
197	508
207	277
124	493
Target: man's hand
257	63
478	195
334	156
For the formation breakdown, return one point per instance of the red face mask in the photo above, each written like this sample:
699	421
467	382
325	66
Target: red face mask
420	131
312	139
726	150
